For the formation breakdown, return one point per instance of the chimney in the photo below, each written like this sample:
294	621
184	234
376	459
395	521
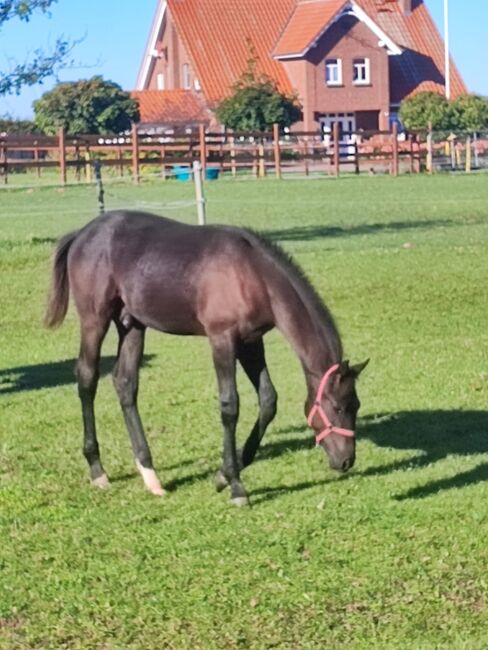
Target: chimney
406	6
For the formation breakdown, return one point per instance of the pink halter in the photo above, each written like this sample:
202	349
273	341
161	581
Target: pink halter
317	408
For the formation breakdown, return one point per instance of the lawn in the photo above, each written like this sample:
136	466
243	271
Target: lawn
393	555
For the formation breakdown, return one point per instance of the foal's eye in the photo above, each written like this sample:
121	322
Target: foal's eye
338	410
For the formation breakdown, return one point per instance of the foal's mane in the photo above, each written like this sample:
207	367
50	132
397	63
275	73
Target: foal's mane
303	286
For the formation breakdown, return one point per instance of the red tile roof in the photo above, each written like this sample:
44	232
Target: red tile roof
221	35
309	20
172	107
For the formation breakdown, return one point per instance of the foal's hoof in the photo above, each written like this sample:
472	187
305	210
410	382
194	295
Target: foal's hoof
220	481
151	480
240	502
157	490
101	482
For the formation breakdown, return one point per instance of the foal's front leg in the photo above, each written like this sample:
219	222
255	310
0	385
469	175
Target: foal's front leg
223	350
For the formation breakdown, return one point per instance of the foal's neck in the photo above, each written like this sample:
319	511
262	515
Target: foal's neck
312	333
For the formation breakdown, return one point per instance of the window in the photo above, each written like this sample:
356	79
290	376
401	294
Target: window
333	72
160	81
360	72
186	77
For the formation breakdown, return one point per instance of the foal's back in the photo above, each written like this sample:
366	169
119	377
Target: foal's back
171	276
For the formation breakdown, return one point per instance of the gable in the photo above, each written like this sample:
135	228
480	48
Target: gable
310	21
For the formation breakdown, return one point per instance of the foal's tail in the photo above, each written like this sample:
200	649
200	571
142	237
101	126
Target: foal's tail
57	305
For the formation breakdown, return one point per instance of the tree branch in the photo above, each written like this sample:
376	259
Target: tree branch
22	9
39	68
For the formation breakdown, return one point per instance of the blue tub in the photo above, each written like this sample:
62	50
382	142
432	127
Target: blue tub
185	173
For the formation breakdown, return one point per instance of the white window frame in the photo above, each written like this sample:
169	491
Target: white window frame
333	72
160	81
361	65
186	76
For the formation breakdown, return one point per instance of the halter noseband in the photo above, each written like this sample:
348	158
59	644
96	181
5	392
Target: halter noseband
317	408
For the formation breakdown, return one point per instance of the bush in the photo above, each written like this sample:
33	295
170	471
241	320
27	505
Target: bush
256	104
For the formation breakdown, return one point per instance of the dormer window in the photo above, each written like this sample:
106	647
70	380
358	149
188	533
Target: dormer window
333	72
360	72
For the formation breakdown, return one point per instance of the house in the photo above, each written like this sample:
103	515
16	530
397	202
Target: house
347	61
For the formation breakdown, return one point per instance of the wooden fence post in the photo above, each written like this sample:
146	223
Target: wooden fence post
163	164
3	159
394	135
62	155
135	154
233	156
255	162
36	161
430	151
410	142
88	165
305	156
468	154
337	153
203	150
261	165
277	152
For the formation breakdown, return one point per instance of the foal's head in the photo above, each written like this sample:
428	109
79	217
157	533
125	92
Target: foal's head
333	414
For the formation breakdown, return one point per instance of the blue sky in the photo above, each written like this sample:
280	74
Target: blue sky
114	35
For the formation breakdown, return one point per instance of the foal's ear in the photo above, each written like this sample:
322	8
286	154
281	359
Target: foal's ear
358	368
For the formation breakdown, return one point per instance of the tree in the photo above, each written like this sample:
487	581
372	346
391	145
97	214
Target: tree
10	125
425	108
256	103
86	106
43	64
469	113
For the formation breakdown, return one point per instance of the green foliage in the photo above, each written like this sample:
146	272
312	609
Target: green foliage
86	106
12	125
391	556
465	113
256	104
425	108
469	113
42	65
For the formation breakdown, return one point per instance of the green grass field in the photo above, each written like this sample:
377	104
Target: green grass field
393	555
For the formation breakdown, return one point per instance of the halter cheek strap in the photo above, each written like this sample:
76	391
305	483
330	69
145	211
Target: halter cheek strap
317	408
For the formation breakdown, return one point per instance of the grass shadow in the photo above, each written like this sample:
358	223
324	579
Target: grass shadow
49	375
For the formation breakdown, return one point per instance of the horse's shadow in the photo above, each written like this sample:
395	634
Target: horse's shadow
308	233
49	375
434	435
430	435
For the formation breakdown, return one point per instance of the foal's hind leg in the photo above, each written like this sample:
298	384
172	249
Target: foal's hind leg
126	382
87	374
252	359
